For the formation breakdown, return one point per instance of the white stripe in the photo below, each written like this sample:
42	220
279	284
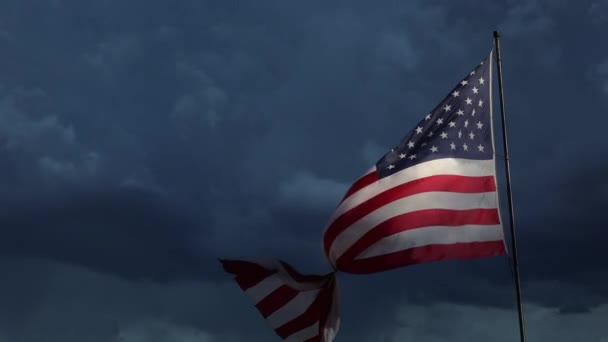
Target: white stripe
421	201
444	166
264	288
304	334
435	235
293	309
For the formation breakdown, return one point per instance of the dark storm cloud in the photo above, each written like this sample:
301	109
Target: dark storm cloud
574	309
219	105
60	302
557	183
142	139
129	232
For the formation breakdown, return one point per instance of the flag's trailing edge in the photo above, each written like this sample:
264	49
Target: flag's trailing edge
432	197
298	307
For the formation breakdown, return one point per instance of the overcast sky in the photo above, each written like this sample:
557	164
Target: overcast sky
140	140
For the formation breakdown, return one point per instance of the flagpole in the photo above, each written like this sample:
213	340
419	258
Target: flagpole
522	335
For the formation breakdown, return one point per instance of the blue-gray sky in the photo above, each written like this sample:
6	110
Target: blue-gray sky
140	140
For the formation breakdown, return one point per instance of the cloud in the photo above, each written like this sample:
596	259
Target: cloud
306	190
58	302
525	18
146	139
124	231
20	130
160	331
442	321
113	54
372	153
598	11
397	49
602	75
40	148
70	170
102	307
203	104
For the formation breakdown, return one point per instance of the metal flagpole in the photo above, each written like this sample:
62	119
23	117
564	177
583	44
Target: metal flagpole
522	334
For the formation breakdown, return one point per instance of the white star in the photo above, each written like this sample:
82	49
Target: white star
475	90
444	135
410	144
460	112
465	147
480	103
472	73
481	63
423	144
464	82
469	101
390	167
459	134
402	156
430	134
481	80
418	130
479	125
456	93
452	146
434	149
480	148
452	124
466	123
427	117
412	157
439	121
473	113
447	108
472	135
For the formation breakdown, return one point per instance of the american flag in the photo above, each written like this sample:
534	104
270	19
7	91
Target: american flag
300	308
432	197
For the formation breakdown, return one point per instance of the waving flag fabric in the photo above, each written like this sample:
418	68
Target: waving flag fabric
300	308
432	197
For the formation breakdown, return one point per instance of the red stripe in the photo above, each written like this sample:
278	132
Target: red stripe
276	300
248	274
302	278
418	219
319	307
449	183
361	183
424	254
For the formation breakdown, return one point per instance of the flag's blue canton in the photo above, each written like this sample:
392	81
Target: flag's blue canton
459	127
